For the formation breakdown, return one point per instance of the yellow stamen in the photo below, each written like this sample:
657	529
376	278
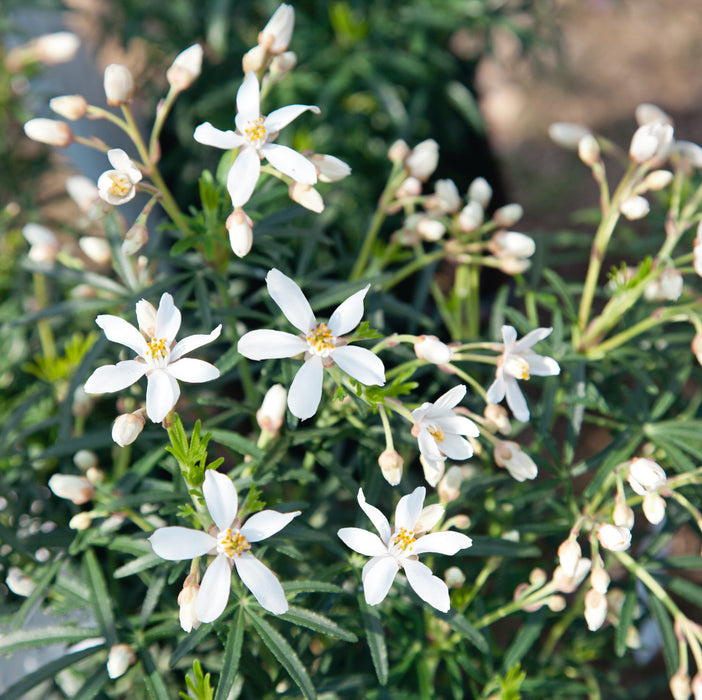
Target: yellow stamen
121	184
436	432
232	544
158	347
321	338
404	539
255	131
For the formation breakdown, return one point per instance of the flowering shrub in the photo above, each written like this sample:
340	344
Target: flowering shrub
539	445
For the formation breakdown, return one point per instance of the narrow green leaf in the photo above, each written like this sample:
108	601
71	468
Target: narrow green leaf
39	637
318	623
232	656
293	587
523	641
148	561
375	637
458	622
41	585
236	442
686	589
284	653
189	643
626	617
155	684
93	684
665	625
100	598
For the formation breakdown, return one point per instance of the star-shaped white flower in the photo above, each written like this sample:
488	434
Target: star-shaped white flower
438	429
321	343
159	357
519	361
119	185
230	543
255	135
397	548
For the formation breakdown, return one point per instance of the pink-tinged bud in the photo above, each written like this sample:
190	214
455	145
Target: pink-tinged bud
429	229
254	60
568	584
697	686
658	179
69	107
44	245
49	131
511	244
330	168
454	577
470	217
462	522
146	318
398	151
647	112
623	516
498	418
135	239
410	187
445	200
556	603
480	191
95	475
635	207
599	579
240	229
508	215
653	505
449	488
653	140
519	593
595	609
589	150
697	256
282	64
275	36
514	266
186	68
127	428
97	249
81	521
73	488
306	196
696	347
433	469
83	191
186	601
18	583
566	134
85	459
613	537
679	684
537	577
510	455
645	476
391	464
430	349
423	159
569	554
82	404
428	518
272	412
118	84
120	658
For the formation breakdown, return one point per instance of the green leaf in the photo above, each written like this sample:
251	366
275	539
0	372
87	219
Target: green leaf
375	638
523	641
155	684
100	598
284	653
665	625
41	585
189	643
148	561
293	587
686	589
318	623
232	656
237	442
39	637
626	617
458	622
93	684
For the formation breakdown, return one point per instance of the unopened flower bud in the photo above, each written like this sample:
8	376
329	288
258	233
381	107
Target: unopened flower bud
81	521
470	217
568	584
282	64
595	609
44	245
423	159
275	36
537	577
254	60
658	179
428	518
508	215
599	579
696	347
697	686
445	200
589	150
635	207
18	583
330	168
55	48
95	475
430	349
272	412
307	196
118	84
511	244
240	229
69	107
480	191
127	428
454	577
186	601
645	475
391	464
97	249
146	318
653	505
462	522
569	554
73	488
510	455
647	112
433	469
679	684
85	459
83	191
410	187
186	68
430	229
514	266
120	658
135	239
623	516
567	134
498	417
449	488
49	131
519	593
556	603
613	537
398	151
651	141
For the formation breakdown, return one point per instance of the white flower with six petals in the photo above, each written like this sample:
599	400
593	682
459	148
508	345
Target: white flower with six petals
397	548
160	358
320	342
230	544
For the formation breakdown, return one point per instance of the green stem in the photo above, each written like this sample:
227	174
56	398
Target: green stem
417	264
161	115
46	336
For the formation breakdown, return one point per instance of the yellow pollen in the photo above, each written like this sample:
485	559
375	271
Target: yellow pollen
157	347
255	131
232	544
121	184
436	432
321	338
404	539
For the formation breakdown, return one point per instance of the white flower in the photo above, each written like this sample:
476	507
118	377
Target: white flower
255	135
119	185
438	429
519	361
230	544
321	342
159	358
645	476
518	463
397	548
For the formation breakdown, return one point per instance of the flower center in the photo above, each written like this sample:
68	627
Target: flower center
232	544
320	340
436	432
121	185
404	539
158	348
517	367
255	132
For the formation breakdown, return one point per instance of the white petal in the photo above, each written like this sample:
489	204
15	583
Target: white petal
119	331
280	118
267	344
497	390
451	398
262	582
209	136
378	575
167	319
428	446
194	371
119	160
183	347
427	586
540	365
162	392
362	541
266	523
460	425
177	543
348	314
248	100
375	516
243	176
361	364
531	338
290	163
433	469
442	543
408	509
214	590
114	377
220	498
306	389
292	302
455	447
509	336
516	400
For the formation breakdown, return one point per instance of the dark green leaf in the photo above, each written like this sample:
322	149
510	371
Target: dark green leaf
375	637
317	622
232	656
100	598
